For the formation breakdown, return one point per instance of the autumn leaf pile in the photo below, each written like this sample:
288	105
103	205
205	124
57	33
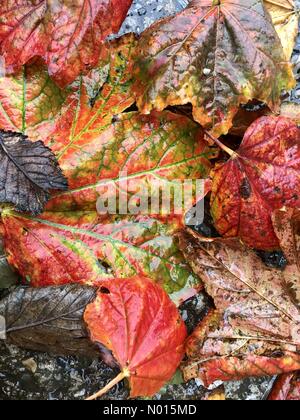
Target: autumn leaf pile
80	115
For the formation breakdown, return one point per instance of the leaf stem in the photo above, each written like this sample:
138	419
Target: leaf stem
109	386
221	145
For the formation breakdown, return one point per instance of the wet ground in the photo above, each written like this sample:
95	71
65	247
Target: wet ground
28	375
34	376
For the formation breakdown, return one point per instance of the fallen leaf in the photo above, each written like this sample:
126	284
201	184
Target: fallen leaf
146	152
49	319
79	247
32	104
216	395
287	228
29	101
29	171
286	388
67	35
261	177
215	55
30	365
291	110
100	149
127	317
285	18
255	328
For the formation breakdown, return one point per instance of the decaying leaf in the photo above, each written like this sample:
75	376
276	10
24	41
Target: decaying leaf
49	319
261	177
214	55
285	18
134	154
286	388
255	329
287	227
103	152
28	172
216	395
127	317
67	35
291	110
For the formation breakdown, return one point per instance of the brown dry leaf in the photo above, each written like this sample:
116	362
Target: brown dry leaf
287	228
255	329
286	388
291	110
285	17
217	395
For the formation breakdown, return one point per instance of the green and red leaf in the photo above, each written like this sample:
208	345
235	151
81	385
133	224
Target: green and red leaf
29	101
67	35
100	149
215	55
261	177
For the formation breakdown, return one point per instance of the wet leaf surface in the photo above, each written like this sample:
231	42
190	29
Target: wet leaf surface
255	329
68	36
82	378
287	228
100	149
29	100
49	319
261	177
29	171
215	56
127	317
286	388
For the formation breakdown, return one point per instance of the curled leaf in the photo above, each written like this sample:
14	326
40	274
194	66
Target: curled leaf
28	171
286	388
285	18
215	55
291	110
138	322
261	177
